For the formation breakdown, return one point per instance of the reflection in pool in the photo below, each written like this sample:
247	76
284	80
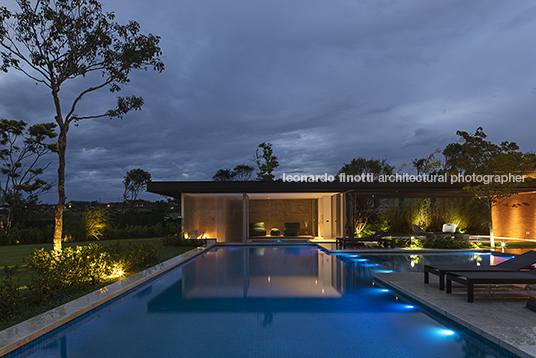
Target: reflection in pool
265	302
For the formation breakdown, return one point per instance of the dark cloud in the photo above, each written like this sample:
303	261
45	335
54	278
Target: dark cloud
323	82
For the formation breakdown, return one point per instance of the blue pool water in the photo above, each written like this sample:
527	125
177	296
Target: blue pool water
267	302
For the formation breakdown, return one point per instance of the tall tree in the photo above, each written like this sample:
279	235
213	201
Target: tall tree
473	154
135	182
241	172
22	148
56	41
266	162
224	174
427	165
363	208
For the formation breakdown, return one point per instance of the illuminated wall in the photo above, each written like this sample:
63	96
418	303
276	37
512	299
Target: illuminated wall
214	215
518	223
276	212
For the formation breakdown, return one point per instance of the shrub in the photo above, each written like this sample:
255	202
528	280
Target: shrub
82	266
11	298
58	275
30	235
448	243
179	240
87	225
134	257
409	243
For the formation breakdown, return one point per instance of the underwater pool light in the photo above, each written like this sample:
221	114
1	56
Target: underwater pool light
382	271
446	332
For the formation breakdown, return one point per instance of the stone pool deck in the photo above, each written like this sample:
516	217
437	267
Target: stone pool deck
499	314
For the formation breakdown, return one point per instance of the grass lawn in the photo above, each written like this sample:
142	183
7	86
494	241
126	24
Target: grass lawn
12	255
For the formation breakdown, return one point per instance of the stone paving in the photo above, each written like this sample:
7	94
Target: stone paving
498	313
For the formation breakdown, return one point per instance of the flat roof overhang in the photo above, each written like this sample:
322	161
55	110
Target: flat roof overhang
363	189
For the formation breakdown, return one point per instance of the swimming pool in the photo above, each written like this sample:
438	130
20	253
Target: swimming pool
286	301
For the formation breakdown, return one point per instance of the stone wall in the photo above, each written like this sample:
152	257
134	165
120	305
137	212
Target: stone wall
276	212
517	222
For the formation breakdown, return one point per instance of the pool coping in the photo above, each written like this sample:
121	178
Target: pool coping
382	280
19	335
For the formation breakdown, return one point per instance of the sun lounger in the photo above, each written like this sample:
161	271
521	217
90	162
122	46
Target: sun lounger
343	241
430	235
515	264
470	279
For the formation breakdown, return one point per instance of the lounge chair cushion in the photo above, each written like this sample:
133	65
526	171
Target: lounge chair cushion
257	229
275	232
291	229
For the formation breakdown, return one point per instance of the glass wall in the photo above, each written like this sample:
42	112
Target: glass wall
219	216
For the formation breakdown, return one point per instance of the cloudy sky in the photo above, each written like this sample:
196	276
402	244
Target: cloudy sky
323	81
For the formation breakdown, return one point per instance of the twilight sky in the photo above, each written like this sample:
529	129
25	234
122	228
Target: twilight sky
323	81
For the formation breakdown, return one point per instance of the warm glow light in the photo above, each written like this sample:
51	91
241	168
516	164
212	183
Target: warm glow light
117	271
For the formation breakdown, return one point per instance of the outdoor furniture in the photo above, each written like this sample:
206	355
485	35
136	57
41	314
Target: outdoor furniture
432	235
376	237
517	263
531	305
470	279
449	228
257	229
275	232
420	232
291	229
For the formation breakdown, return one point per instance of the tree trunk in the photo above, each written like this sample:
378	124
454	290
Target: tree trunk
491	237
58	218
349	229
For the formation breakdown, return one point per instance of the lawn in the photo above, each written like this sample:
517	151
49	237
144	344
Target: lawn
14	254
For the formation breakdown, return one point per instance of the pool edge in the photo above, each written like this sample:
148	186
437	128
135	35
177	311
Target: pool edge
383	282
17	336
